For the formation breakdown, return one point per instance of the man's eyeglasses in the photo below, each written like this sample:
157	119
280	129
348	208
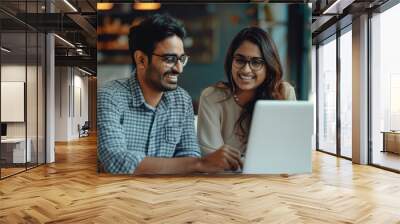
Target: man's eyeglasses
255	63
172	59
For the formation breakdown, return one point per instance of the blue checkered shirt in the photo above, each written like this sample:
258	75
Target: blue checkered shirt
129	129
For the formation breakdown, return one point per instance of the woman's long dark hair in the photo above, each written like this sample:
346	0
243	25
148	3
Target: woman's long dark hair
270	89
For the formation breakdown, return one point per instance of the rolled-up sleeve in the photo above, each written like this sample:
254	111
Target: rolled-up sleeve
112	147
188	145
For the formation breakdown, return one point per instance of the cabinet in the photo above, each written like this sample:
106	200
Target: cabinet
391	141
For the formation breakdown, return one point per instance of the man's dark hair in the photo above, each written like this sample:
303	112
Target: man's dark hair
151	31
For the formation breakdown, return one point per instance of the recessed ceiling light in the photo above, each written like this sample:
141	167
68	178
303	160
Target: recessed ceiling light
84	71
64	40
70	5
146	6
337	7
104	6
5	50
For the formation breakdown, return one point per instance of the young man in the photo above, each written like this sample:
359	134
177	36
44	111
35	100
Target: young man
146	123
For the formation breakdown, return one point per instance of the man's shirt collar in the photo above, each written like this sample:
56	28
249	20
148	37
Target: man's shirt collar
138	98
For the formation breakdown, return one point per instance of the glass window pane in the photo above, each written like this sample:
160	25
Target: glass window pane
327	97
14	152
346	94
31	96
386	89
41	99
313	94
22	75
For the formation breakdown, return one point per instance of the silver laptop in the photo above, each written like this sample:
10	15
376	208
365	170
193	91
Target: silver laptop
280	138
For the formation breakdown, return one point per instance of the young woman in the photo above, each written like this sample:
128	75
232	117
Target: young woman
254	72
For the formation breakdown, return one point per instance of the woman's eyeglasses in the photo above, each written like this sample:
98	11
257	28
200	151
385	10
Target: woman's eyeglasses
172	59
255	63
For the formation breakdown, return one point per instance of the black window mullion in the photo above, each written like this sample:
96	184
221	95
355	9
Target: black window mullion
37	89
26	86
338	98
369	89
317	96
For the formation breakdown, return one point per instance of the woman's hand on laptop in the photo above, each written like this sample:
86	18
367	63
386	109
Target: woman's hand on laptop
225	158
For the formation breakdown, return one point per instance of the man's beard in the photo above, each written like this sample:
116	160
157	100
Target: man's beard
159	82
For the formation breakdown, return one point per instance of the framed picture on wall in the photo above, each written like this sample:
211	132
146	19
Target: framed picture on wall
12	101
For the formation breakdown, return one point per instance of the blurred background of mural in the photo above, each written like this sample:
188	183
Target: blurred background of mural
210	29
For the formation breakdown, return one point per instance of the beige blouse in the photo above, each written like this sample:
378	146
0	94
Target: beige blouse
217	118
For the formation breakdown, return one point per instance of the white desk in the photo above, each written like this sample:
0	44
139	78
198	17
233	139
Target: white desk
16	147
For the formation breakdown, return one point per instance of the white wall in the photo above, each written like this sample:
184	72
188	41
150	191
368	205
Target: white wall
13	73
79	117
62	81
70	83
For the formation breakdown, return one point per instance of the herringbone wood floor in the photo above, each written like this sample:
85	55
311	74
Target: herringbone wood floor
70	191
